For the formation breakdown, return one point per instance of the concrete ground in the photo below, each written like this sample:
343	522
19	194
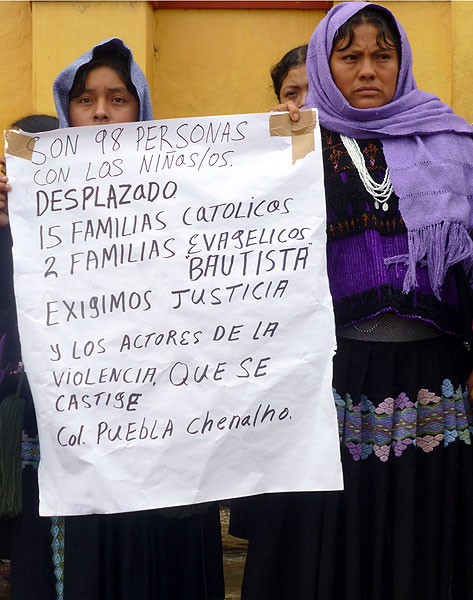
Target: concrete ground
234	553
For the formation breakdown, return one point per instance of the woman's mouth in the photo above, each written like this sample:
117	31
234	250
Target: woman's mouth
367	90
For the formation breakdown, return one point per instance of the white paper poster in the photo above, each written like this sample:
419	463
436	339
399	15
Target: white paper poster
174	311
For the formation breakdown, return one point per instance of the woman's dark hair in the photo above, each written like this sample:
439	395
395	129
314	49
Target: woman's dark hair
104	57
388	34
294	58
37	123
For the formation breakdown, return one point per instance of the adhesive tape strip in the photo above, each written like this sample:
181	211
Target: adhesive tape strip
301	131
19	145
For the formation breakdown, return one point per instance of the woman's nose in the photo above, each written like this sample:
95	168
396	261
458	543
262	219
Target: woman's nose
367	70
101	111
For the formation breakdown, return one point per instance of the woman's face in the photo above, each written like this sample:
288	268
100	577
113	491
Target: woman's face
365	74
294	86
105	99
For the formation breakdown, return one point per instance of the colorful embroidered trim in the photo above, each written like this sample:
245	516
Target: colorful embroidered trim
29	451
361	222
397	423
58	535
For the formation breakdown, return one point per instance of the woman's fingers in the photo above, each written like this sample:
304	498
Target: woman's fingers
289	107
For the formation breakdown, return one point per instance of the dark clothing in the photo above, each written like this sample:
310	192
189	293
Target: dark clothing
402	527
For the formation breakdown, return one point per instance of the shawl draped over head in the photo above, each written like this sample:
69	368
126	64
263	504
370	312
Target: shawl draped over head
63	83
428	148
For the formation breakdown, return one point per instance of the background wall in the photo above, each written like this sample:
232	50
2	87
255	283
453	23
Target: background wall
16	44
218	61
429	28
210	61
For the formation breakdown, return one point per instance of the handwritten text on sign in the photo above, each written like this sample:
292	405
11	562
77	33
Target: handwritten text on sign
174	312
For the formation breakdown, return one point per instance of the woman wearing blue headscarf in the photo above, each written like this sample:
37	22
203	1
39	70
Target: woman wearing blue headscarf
149	555
398	170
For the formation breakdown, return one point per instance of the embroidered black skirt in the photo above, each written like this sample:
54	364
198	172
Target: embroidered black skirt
403	526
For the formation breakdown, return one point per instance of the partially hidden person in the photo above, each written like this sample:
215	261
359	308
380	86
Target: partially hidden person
289	77
20	468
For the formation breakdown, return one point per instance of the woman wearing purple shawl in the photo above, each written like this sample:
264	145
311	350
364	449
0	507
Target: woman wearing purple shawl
399	187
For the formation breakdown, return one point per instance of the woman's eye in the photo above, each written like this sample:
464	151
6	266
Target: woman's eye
118	100
349	57
84	100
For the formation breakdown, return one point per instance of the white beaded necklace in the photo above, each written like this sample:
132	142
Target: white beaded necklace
379	191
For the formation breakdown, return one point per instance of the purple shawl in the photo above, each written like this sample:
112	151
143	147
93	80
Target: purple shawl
428	148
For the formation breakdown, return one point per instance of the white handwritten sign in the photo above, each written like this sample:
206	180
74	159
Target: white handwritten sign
174	312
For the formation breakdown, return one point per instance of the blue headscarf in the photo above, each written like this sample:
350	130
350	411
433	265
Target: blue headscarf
63	83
